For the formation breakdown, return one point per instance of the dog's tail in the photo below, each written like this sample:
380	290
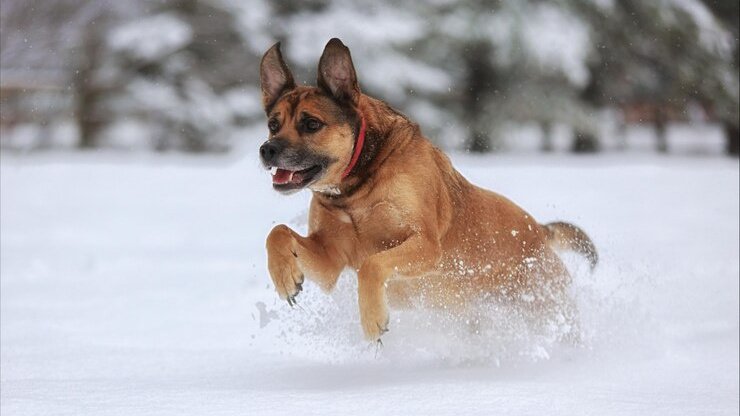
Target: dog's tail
566	236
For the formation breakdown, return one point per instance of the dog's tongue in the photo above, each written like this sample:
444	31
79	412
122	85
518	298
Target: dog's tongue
283	176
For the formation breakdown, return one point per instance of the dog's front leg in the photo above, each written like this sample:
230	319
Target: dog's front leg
417	255
290	255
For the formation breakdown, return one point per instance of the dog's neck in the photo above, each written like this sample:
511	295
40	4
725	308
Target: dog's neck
387	131
359	144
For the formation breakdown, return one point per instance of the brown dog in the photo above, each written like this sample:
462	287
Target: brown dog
389	204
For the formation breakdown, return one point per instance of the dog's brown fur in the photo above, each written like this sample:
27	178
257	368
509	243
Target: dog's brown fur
415	230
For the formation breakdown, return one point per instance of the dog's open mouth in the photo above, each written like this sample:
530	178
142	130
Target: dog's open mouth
285	179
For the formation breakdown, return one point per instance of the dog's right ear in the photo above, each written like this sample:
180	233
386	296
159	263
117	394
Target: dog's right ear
275	77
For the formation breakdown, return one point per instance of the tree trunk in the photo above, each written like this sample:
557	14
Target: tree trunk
661	135
87	122
584	142
480	83
547	144
478	142
732	135
621	134
88	92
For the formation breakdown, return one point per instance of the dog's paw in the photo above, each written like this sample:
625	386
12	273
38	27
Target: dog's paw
286	276
371	298
374	321
283	266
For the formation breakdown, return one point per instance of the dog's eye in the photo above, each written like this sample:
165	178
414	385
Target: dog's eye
273	126
311	125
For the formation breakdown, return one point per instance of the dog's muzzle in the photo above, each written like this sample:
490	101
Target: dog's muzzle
291	168
270	151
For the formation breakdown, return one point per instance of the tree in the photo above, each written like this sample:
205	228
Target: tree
728	13
663	54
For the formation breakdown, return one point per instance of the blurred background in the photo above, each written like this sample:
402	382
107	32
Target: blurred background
134	210
481	76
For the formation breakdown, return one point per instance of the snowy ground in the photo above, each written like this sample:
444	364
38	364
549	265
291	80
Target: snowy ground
139	287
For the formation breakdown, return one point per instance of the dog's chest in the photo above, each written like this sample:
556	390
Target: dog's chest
380	226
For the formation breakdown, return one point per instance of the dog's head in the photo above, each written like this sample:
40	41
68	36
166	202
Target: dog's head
312	130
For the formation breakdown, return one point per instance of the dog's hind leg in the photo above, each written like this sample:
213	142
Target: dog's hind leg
554	307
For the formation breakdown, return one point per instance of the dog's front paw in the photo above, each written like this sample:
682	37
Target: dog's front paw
374	319
371	298
286	276
281	262
374	323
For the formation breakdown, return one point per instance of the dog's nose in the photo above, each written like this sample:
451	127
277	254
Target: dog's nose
269	151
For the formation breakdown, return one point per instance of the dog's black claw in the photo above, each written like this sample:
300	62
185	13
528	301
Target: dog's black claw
378	347
299	286
378	344
291	301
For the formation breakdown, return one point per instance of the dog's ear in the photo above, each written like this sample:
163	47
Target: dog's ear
275	77
337	74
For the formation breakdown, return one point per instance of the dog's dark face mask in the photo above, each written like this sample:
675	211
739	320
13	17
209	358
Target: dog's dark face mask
311	129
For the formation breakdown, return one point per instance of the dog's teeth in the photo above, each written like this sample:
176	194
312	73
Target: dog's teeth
273	170
290	179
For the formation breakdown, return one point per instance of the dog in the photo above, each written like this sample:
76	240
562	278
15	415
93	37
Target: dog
389	205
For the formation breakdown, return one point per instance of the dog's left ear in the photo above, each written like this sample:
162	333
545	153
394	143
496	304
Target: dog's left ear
337	74
275	77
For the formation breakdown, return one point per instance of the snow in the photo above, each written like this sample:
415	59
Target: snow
152	37
137	285
711	32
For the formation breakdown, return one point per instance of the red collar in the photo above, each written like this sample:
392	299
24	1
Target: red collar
358	148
